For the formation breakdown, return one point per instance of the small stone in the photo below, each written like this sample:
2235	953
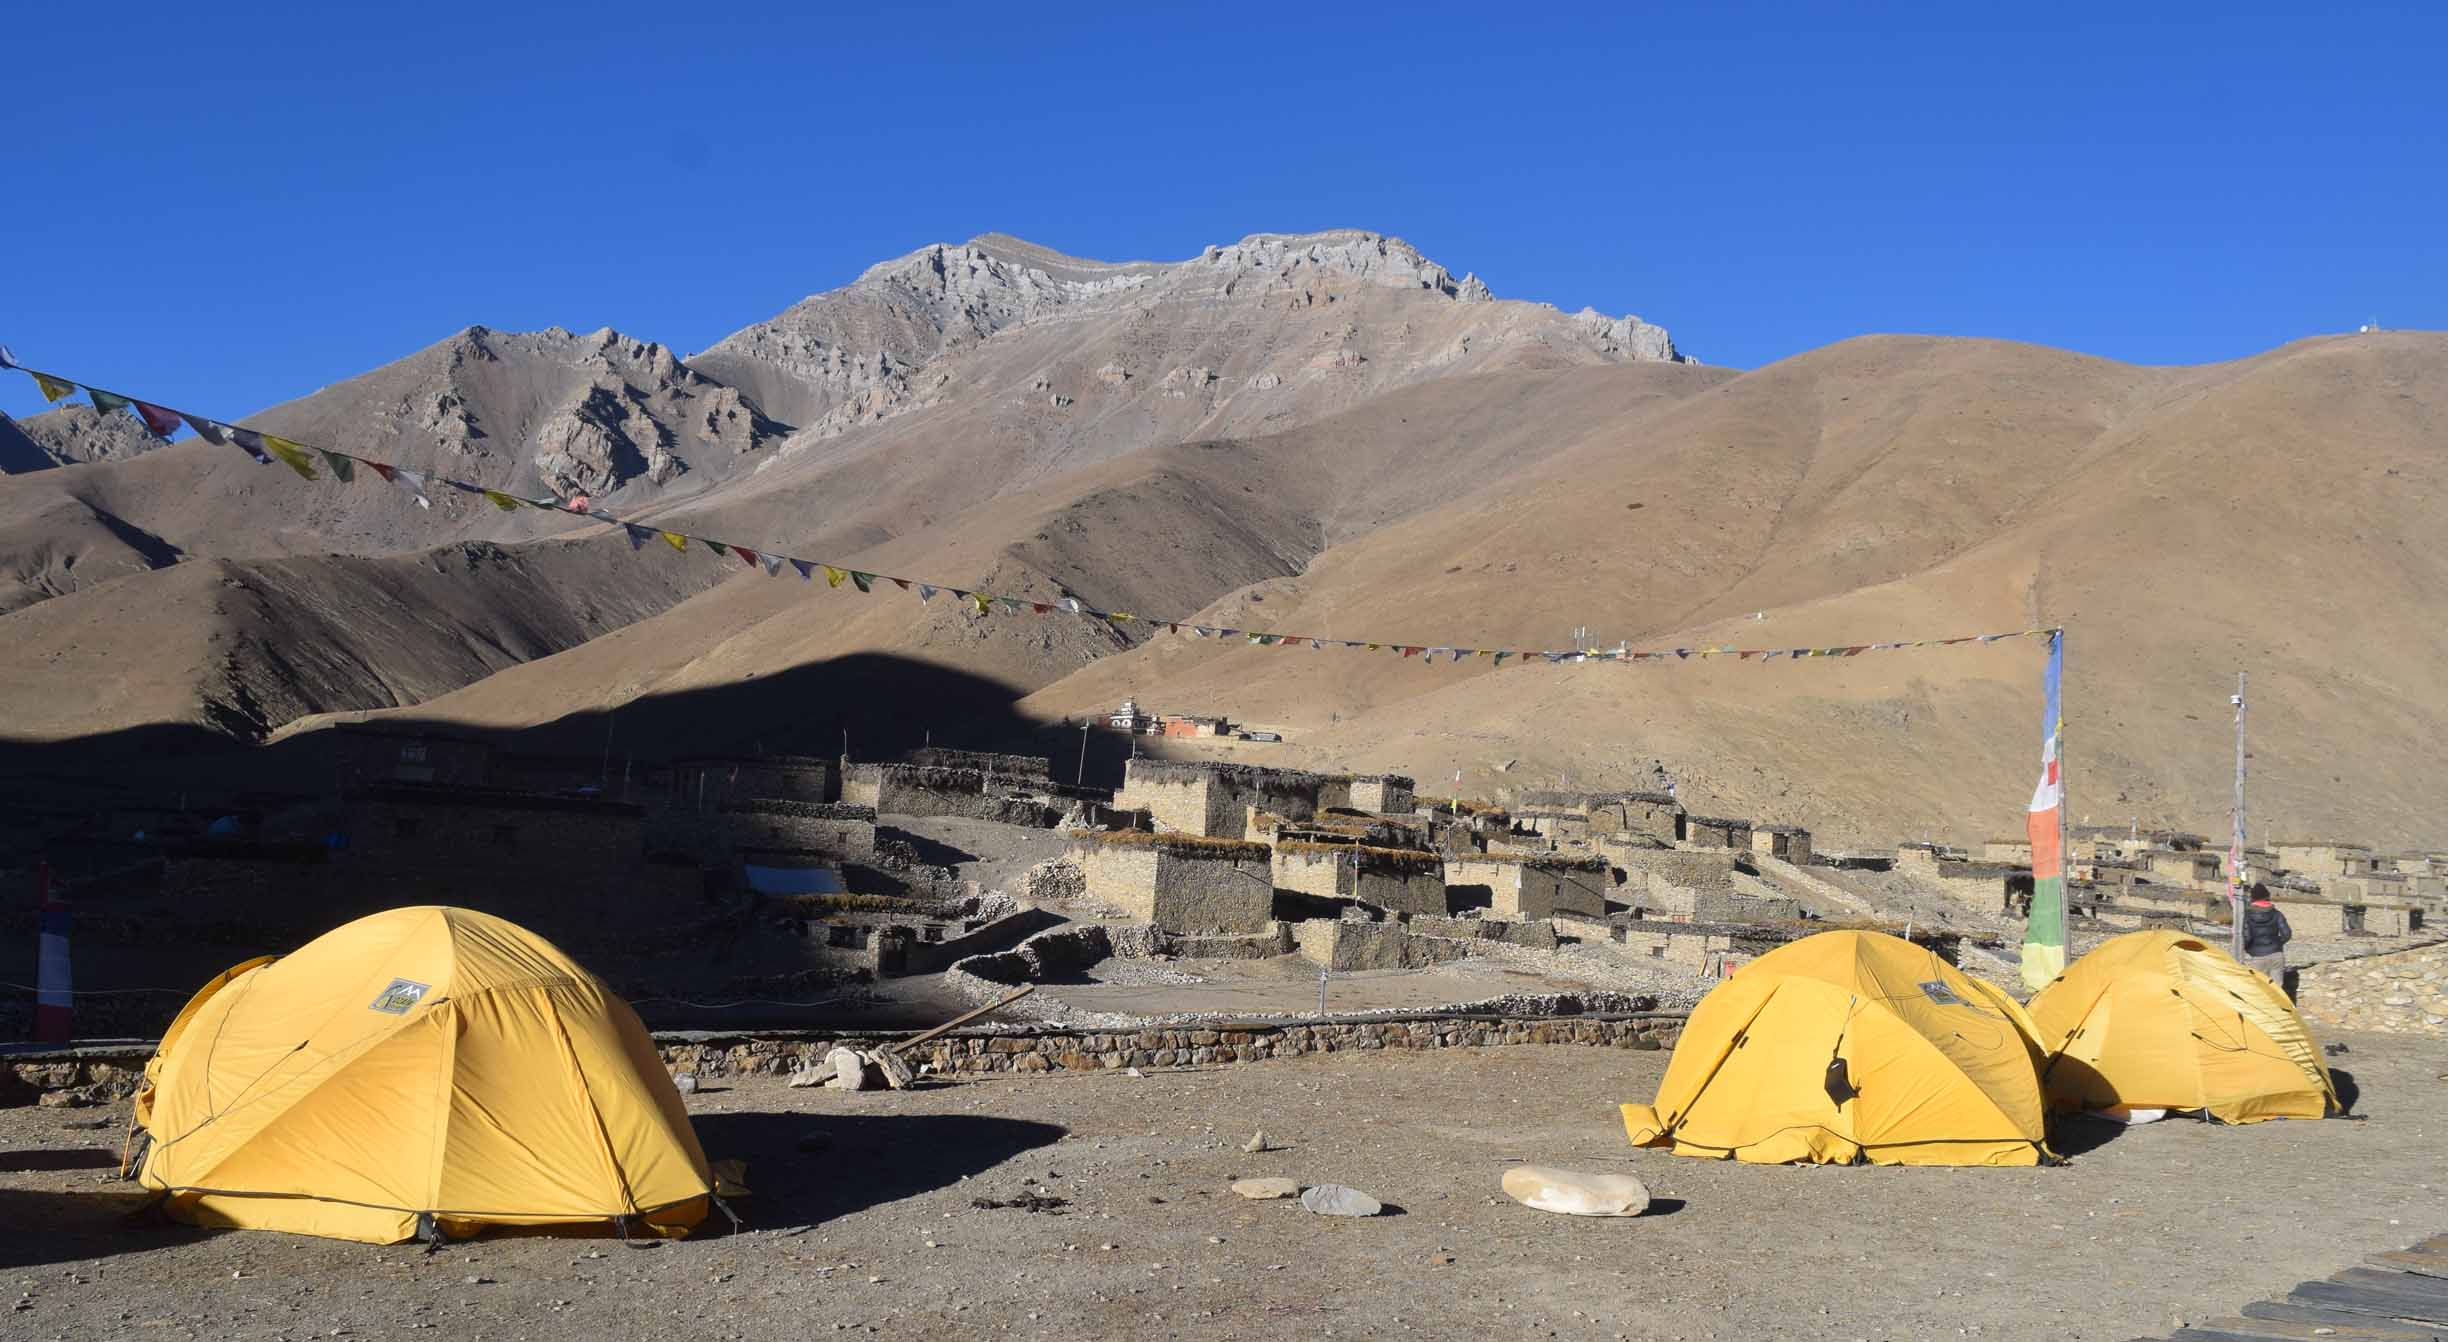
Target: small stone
686	1081
1572	1193
1258	1142
1261	1190
1337	1200
477	1281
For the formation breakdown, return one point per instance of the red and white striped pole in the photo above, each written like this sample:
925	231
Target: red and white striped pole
54	1012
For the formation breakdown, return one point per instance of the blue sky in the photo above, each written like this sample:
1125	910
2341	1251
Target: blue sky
225	207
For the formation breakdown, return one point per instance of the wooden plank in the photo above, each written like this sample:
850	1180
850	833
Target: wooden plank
960	1020
2411	1260
2356	1329
2289	1312
2357	1299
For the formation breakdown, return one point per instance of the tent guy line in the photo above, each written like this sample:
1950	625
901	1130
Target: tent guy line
164	421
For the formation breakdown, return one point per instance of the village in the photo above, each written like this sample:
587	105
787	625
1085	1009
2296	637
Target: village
832	891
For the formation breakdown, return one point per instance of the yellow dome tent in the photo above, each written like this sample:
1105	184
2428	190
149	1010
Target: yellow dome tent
2162	1020
1851	1047
423	1071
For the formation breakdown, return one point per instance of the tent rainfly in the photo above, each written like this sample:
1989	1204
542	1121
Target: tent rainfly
1851	1048
2162	1020
419	1073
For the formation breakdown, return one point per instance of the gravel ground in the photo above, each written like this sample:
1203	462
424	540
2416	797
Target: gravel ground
872	1231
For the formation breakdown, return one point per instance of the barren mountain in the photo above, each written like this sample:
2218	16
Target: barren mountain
1330	435
1034	367
68	435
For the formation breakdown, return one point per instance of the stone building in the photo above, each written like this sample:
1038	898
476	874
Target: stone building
1702	831
371	755
1183	884
1553	824
1528	885
707	782
1785	843
1656	814
2196	869
979	794
1216	801
1662	871
2322	857
1377	794
2016	851
1193	725
1397	880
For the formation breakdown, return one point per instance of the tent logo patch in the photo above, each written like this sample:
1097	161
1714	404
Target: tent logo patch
401	995
1937	991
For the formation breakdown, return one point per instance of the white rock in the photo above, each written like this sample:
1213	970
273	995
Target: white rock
1574	1193
686	1081
849	1070
1337	1200
1261	1190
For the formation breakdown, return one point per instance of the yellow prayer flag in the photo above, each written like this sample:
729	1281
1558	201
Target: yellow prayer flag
290	453
833	576
979	600
502	501
676	541
53	389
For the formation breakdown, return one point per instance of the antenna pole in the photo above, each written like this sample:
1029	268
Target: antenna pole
2235	842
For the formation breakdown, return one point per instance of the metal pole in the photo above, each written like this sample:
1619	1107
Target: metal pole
2235	846
1080	779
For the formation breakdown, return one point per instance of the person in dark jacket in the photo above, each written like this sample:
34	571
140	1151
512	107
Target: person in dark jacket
2266	935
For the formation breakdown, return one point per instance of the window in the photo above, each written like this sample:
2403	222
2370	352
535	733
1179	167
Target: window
934	932
404	827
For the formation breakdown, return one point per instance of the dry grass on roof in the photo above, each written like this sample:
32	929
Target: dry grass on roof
1407	858
1556	861
1181	845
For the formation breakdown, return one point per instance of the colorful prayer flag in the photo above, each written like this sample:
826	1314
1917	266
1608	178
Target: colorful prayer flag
807	571
53	389
638	536
162	422
865	582
926	593
107	402
747	556
773	565
292	455
675	540
500	500
2044	931
833	576
342	469
978	599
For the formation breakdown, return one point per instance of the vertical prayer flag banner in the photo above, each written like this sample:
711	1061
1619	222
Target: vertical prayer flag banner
2044	934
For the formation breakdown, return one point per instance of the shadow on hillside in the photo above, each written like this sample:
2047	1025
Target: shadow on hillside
806	1169
876	704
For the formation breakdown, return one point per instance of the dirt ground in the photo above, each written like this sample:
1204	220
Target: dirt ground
871	1229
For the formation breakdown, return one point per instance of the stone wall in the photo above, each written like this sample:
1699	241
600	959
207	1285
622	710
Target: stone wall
1001	766
73	1077
1529	886
2405	992
1717	832
1661	870
925	790
1185	1046
841	829
1346	944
